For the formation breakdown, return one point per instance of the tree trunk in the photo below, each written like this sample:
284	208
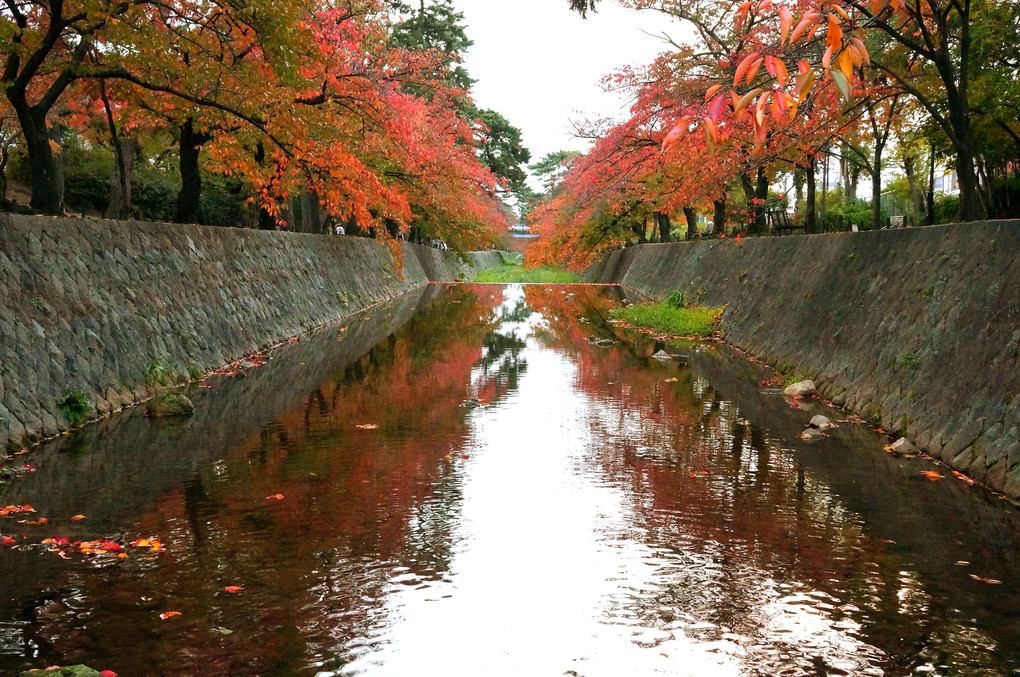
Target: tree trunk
825	194
876	188
844	170
5	154
916	196
120	180
756	194
762	193
719	218
692	222
288	214
190	146
310	220
931	186
44	175
809	204
959	119
664	226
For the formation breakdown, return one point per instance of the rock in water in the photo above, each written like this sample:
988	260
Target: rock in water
802	389
812	435
821	422
169	404
902	446
662	355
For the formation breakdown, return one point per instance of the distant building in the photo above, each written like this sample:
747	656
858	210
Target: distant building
519	228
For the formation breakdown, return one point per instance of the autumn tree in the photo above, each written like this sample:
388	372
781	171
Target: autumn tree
926	48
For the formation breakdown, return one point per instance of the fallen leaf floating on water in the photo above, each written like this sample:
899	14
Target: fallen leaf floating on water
108	673
153	544
962	477
696	473
169	614
234	588
275	497
932	475
64	547
961	563
367	426
78	517
15	509
7	541
982	579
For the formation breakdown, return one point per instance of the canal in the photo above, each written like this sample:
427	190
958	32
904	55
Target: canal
498	480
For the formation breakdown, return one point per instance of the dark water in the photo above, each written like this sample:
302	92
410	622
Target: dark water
592	517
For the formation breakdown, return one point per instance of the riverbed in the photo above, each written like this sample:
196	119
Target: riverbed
500	480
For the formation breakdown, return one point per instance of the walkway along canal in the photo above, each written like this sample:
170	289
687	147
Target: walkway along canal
460	482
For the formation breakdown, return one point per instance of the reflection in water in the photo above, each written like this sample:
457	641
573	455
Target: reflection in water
528	503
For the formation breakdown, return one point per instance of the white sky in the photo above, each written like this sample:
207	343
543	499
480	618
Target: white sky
538	64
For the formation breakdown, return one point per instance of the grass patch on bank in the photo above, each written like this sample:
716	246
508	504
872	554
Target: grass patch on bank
672	317
510	274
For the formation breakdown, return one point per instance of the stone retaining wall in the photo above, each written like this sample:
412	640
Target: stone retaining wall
106	307
916	328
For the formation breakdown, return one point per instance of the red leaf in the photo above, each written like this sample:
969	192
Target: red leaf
743	67
784	24
799	30
169	614
234	588
78	517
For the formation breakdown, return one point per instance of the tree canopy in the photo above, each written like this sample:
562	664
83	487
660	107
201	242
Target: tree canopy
764	88
363	111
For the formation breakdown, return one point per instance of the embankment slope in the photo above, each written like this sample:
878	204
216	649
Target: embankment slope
101	306
917	328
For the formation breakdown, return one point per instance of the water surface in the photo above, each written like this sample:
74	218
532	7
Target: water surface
519	500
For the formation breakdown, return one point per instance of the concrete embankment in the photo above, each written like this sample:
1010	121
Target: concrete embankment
916	329
110	307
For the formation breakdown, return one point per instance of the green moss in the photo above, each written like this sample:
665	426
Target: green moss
74	405
909	360
667	318
517	274
794	377
158	373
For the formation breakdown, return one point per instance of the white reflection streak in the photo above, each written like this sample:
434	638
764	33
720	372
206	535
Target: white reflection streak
541	558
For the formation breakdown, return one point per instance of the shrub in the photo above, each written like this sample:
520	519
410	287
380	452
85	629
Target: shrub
947	208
